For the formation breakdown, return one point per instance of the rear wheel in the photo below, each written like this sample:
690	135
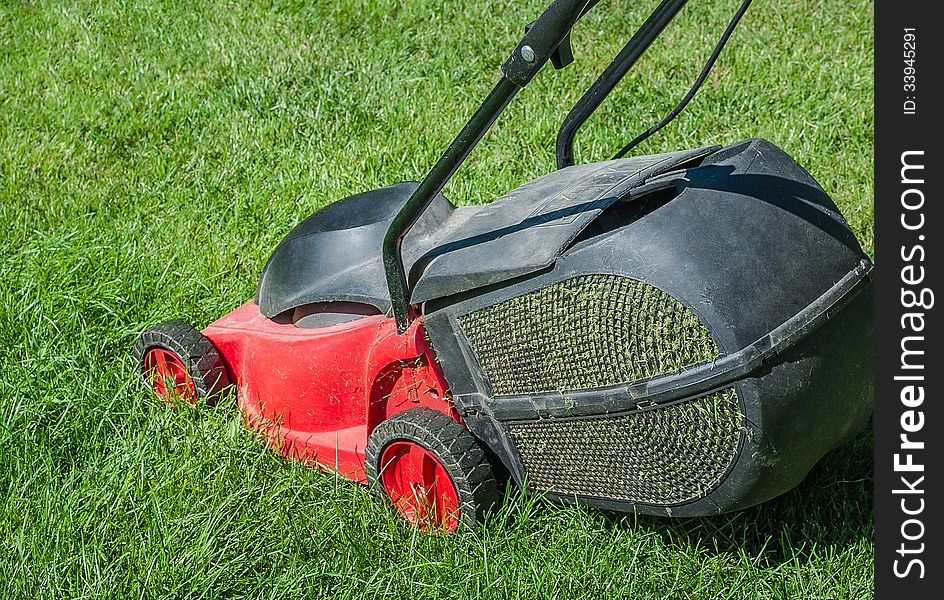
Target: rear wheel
431	470
179	363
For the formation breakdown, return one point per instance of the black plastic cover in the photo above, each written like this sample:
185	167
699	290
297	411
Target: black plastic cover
525	230
335	254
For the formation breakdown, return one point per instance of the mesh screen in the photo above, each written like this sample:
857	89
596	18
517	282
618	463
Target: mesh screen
661	455
583	333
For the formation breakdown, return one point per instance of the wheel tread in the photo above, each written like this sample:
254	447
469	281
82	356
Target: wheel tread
201	357
456	448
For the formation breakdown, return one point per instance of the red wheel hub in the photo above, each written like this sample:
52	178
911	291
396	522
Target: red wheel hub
168	376
419	486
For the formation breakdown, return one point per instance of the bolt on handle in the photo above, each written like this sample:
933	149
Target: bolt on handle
542	39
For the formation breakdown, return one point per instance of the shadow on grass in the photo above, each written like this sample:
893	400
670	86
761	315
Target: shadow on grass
831	508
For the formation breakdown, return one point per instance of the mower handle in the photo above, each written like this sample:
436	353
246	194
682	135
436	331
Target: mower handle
540	43
548	38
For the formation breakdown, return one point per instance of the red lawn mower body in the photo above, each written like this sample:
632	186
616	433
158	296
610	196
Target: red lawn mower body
318	393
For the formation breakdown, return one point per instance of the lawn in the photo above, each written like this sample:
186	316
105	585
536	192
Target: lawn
153	153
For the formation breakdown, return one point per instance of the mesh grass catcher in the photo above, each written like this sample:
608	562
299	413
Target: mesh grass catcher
684	333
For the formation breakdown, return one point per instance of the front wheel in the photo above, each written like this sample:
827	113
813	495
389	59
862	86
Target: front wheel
431	470
179	363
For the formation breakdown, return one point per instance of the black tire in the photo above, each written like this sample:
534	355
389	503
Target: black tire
455	448
195	350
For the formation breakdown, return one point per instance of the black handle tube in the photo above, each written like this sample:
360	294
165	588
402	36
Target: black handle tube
529	56
534	50
611	76
432	184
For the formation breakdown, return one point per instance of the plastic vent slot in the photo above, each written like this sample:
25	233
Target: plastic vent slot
583	333
662	455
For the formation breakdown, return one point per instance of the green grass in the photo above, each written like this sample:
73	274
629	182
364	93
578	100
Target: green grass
153	153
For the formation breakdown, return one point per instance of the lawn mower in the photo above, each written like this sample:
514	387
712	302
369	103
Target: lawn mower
680	334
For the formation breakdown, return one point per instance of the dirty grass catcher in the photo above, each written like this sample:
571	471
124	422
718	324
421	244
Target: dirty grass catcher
679	334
